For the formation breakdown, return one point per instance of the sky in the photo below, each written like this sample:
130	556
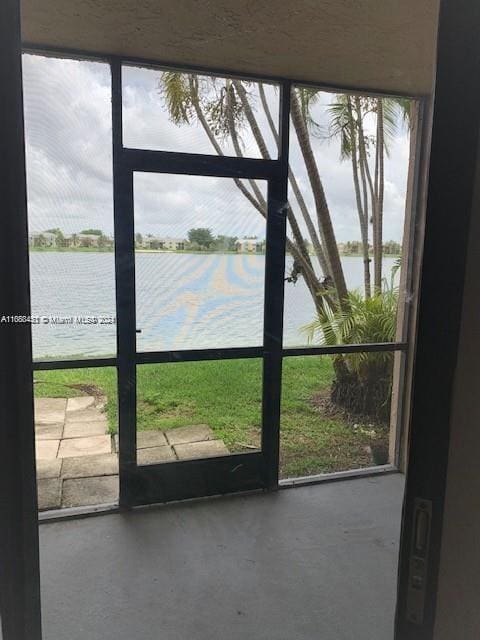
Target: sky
69	159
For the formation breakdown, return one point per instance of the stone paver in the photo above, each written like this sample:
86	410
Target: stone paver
50	410
79	403
49	468
155	455
91	414
74	447
46	449
83	429
147	439
195	433
206	449
87	466
49	494
76	462
49	431
82	492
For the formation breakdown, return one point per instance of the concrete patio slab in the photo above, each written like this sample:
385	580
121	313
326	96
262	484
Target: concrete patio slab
147	439
49	468
46	449
88	466
154	455
323	559
92	414
206	449
194	433
84	429
49	494
81	492
50	410
49	431
79	403
89	446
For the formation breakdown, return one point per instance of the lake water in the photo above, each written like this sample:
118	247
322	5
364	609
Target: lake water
183	301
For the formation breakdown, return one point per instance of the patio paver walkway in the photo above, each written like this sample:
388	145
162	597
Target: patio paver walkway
77	463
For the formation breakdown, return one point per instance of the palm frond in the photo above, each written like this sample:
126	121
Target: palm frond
362	320
342	123
178	95
405	107
307	98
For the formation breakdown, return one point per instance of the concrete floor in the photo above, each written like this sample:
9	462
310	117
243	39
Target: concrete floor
306	563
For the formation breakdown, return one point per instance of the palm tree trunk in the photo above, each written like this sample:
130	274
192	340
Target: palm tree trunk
260	140
323	214
364	226
367	179
322	260
259	205
376	193
381	188
257	134
362	214
298	249
238	150
317	290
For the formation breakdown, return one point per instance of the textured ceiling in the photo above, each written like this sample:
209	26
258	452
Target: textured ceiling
373	44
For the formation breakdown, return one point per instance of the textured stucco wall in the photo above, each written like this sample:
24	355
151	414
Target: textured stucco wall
379	44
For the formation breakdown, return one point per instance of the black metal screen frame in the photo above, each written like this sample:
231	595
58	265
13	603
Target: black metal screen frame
235	472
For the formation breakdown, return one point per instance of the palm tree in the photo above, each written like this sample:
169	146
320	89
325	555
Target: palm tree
347	122
226	109
363	380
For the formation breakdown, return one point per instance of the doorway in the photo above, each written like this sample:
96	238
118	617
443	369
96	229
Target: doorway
187	461
217	275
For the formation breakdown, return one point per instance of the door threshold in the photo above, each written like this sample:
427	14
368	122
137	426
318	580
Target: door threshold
335	476
71	513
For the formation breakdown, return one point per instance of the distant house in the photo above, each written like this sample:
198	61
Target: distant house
169	244
68	241
152	242
173	244
42	239
87	240
250	245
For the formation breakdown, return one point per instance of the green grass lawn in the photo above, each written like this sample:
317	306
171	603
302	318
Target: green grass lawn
226	395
